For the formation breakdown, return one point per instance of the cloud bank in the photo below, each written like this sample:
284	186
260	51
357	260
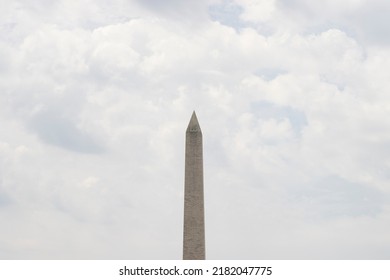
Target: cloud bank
293	102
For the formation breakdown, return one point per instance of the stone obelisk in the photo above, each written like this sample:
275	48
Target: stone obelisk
194	233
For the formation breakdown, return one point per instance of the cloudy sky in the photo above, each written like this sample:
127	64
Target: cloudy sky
293	97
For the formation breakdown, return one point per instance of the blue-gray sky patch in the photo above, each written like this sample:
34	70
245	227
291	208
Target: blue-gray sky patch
267	110
227	13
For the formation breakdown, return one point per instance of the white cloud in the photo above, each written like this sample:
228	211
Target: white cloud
261	11
94	104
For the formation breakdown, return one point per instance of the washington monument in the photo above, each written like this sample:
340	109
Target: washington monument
194	233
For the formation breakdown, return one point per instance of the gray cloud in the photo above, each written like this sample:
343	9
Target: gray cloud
367	21
59	131
4	198
333	196
371	22
177	9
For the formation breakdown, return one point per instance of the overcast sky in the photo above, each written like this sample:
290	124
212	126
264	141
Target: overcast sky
293	98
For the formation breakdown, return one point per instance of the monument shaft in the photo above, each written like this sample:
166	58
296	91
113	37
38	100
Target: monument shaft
194	232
